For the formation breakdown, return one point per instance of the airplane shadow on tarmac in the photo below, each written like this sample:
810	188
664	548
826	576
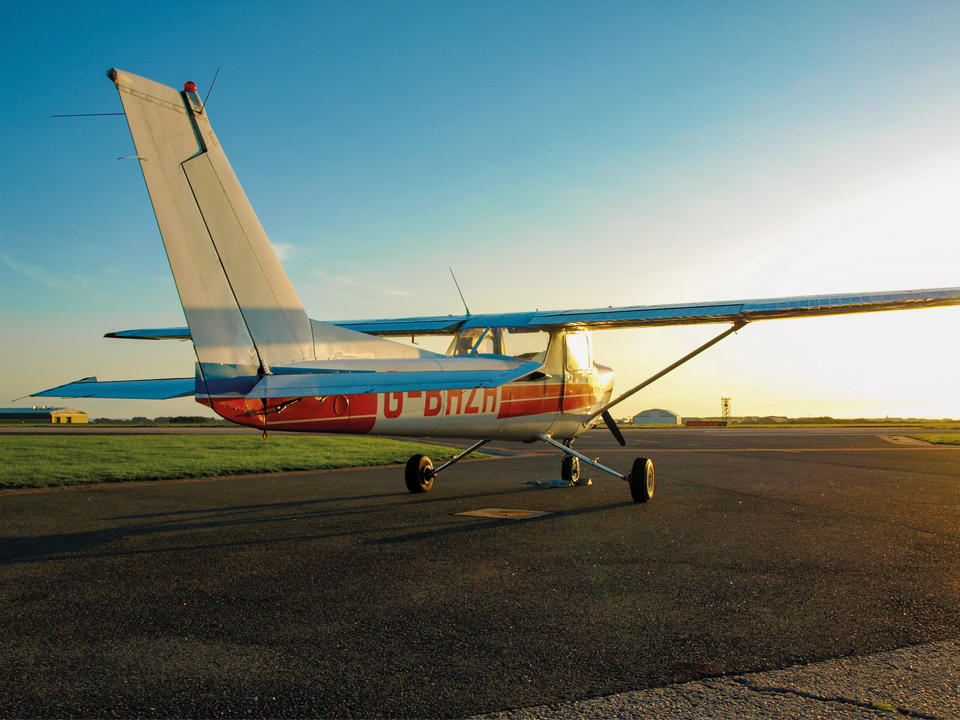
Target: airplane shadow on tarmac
490	522
103	542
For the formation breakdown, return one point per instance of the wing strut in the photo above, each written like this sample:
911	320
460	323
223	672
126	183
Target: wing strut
604	410
567	450
476	446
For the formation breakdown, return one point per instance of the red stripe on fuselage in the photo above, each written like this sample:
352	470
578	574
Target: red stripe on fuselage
357	414
352	414
518	400
578	397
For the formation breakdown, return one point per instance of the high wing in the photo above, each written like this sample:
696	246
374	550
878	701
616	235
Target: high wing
635	316
674	314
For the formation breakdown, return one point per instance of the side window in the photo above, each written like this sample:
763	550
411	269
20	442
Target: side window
522	343
578	351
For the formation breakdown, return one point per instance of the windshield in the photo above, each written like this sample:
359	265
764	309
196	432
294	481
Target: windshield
514	342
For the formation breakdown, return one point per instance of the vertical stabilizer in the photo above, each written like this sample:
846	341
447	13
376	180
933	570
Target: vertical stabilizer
243	313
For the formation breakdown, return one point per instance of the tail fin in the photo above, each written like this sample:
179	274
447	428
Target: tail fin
243	313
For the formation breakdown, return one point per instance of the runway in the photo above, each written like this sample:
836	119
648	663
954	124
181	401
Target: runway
338	594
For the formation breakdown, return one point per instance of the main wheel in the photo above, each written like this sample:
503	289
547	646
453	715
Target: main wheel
419	474
570	468
641	480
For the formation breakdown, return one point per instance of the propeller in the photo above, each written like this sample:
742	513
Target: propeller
612	426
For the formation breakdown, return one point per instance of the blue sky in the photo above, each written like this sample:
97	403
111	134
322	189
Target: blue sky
555	155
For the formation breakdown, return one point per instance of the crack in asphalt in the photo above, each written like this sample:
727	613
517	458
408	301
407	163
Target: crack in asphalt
881	706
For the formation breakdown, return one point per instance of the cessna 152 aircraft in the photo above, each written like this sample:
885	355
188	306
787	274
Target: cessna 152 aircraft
261	362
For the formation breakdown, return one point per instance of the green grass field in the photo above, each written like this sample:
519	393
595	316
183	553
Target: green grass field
938	439
819	423
36	461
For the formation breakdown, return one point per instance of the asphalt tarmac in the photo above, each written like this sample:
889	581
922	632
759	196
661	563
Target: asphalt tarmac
338	594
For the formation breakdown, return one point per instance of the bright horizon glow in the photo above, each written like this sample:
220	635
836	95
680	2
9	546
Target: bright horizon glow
555	156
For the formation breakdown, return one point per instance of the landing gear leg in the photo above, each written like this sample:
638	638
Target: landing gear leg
420	473
640	478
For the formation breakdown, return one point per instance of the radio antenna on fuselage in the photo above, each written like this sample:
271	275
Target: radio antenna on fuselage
215	75
459	291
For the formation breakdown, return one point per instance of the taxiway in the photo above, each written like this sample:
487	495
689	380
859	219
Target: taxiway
338	594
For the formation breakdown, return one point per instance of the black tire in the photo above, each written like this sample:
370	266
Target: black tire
641	480
419	474
570	468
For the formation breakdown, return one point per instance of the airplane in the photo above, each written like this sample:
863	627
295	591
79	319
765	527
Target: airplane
261	362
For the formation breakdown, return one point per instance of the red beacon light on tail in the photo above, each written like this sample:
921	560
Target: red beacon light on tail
190	94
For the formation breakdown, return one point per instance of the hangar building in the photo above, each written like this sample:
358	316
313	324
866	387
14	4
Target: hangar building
57	416
656	416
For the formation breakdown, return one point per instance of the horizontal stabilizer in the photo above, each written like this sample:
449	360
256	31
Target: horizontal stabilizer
164	389
320	382
177	333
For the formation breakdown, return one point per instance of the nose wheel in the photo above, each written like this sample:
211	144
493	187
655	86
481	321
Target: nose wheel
641	480
570	468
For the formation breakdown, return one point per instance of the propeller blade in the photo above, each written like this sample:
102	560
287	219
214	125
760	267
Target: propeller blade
612	424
